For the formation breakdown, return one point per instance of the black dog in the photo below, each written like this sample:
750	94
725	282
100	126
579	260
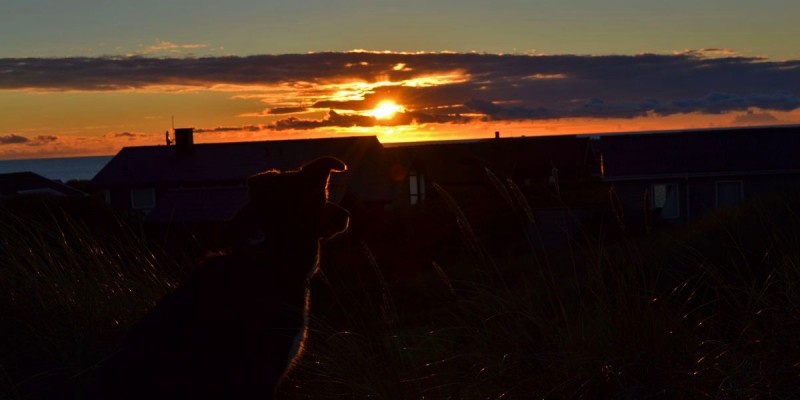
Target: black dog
236	325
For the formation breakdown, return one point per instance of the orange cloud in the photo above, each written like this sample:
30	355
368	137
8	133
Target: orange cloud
442	95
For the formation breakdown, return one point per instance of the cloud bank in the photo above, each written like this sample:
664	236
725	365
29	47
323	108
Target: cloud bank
13	139
438	88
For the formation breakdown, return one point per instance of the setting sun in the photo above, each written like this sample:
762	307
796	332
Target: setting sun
386	110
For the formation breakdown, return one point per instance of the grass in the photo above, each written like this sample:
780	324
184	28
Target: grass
707	311
444	309
74	279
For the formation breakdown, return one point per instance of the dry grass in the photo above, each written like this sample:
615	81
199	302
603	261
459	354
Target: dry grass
70	288
707	311
698	313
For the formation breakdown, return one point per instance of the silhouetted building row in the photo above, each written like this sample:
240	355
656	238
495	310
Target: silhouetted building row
674	177
667	177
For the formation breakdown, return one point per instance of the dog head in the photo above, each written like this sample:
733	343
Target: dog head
292	206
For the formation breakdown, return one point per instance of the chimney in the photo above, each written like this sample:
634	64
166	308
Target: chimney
184	141
497	134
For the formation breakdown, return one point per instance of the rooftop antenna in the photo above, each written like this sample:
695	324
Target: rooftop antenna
166	134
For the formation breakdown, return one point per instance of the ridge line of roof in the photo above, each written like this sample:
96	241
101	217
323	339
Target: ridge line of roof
492	139
697	130
257	141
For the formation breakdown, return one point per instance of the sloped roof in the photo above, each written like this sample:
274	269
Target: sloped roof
224	162
507	157
741	150
22	183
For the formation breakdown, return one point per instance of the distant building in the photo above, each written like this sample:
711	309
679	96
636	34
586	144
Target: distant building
676	177
29	183
660	178
205	183
549	171
461	166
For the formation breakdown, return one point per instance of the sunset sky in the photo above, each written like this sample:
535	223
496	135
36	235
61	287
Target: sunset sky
86	77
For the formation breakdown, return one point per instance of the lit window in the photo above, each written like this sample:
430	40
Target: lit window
729	193
666	201
143	198
416	186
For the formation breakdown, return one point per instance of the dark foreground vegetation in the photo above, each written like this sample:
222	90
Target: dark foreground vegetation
437	303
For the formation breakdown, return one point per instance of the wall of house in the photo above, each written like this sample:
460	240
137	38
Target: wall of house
368	181
630	202
120	198
703	194
697	197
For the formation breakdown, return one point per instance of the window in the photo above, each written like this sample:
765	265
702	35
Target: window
729	193
416	186
666	201
143	198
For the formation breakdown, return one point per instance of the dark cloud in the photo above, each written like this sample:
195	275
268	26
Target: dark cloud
717	103
332	119
755	118
128	135
120	73
421	117
13	139
498	87
498	112
287	110
42	140
354	105
245	128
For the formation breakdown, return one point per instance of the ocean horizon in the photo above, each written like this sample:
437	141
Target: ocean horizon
62	169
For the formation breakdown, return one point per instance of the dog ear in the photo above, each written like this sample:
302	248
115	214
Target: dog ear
324	165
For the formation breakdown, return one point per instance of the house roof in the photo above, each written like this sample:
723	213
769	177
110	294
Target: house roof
23	183
507	157
717	152
224	163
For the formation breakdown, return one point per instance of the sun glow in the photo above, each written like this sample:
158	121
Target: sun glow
386	110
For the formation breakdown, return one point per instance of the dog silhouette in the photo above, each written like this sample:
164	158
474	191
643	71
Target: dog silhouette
237	324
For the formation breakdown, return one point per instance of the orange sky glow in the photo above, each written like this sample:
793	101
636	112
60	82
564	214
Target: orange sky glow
396	96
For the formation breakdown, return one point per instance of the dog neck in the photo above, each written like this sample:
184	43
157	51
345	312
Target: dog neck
291	263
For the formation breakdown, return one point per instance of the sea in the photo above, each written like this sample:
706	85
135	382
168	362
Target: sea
62	169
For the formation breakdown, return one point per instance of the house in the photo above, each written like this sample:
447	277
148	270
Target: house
28	183
673	177
461	166
205	183
196	186
549	171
